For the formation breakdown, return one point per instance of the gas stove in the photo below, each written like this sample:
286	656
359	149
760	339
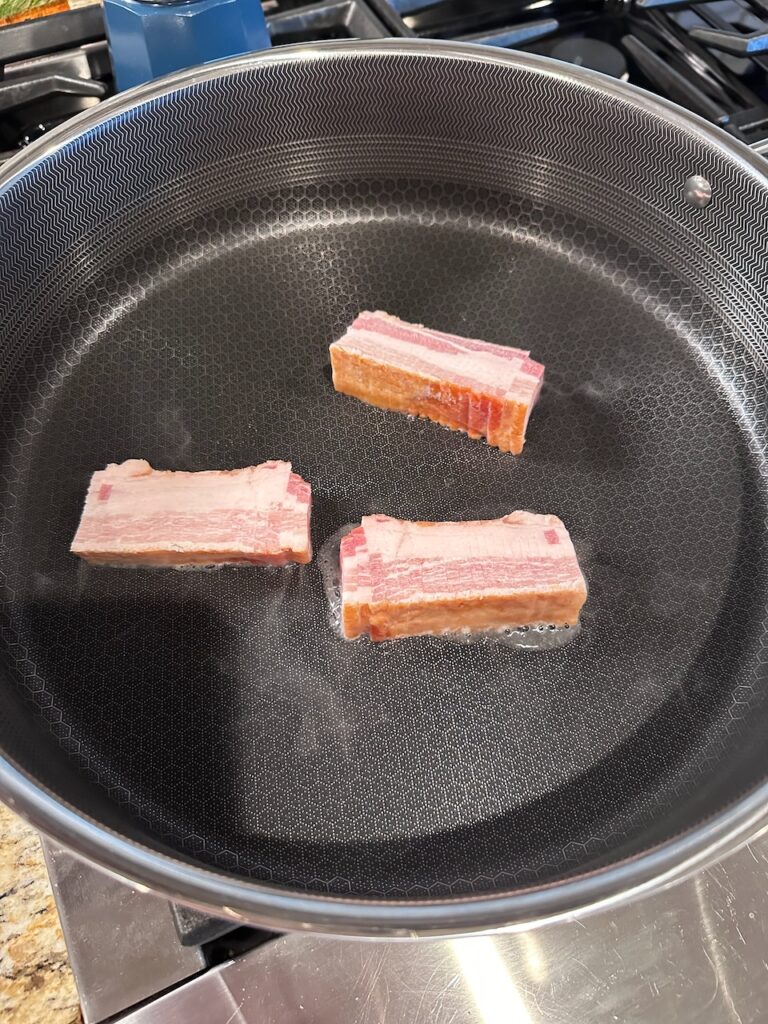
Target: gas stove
710	57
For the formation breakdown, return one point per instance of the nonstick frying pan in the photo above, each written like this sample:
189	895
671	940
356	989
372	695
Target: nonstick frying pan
174	266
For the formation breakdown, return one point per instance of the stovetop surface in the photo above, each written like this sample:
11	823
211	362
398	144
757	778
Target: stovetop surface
691	954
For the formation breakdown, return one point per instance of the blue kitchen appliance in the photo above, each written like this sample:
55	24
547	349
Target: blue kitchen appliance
152	39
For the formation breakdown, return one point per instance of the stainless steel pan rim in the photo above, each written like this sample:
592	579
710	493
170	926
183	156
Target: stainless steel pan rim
282	910
434	49
285	910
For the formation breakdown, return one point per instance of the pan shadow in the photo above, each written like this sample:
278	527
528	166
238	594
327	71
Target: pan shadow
164	693
148	698
146	703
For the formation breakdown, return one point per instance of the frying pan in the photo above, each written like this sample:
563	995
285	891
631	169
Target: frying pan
175	265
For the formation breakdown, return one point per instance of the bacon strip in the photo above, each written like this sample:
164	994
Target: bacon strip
483	389
135	515
403	578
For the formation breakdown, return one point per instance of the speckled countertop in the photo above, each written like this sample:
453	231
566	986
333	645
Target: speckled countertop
36	984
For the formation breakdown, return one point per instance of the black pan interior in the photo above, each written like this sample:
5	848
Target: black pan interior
216	715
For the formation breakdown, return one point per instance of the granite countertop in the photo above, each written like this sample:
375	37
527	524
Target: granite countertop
36	984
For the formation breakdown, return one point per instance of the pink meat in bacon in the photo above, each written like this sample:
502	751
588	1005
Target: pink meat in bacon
135	515
483	389
403	578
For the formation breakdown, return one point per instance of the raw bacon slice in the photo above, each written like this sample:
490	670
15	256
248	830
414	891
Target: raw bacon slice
135	515
405	579
483	389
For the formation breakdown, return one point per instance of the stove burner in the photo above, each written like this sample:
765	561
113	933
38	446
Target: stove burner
591	53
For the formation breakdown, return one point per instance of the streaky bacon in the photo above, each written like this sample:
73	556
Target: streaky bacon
135	515
484	389
403	578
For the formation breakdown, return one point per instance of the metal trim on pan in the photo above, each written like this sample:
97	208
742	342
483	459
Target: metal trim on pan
281	909
433	48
